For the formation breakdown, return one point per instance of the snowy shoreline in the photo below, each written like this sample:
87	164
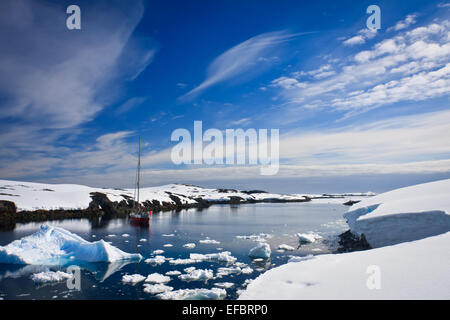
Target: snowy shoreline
26	201
409	229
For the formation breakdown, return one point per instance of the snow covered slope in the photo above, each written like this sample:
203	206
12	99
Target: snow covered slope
57	246
412	270
404	214
30	196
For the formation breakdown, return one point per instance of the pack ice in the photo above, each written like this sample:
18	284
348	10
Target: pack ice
57	246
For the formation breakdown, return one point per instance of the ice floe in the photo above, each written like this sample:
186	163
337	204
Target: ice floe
209	241
173	273
156	288
309	237
197	275
225	285
50	276
156	260
133	278
157	278
189	245
262	250
194	294
286	247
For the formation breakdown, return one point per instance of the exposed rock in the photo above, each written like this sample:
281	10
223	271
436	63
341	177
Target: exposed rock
351	202
350	242
7	215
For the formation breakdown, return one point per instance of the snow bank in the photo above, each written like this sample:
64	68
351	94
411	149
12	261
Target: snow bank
411	270
404	214
57	246
262	250
194	294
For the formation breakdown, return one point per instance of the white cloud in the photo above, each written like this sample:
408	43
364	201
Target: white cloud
362	36
403	24
129	104
58	78
240	59
410	66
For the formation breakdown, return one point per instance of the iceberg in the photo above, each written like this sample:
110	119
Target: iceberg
262	250
57	246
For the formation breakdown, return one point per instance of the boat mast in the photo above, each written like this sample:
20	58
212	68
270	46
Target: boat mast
139	174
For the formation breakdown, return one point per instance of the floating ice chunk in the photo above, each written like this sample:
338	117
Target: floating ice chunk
183	261
241	264
262	237
225	271
189	270
224	256
50	276
158	251
132	278
156	288
189	245
168	245
173	273
309	237
143	240
262	250
57	246
197	275
125	235
157	278
286	247
247	270
209	241
156	260
111	235
194	294
168	235
225	285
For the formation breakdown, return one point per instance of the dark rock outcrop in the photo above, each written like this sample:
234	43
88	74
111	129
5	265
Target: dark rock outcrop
7	215
350	242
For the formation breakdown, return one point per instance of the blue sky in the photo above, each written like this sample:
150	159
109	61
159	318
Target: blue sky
357	110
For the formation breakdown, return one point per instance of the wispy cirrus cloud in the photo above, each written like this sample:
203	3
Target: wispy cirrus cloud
62	76
240	59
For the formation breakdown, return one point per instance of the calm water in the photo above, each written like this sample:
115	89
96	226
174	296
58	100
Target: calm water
219	222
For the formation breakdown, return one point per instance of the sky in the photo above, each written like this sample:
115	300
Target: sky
356	109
